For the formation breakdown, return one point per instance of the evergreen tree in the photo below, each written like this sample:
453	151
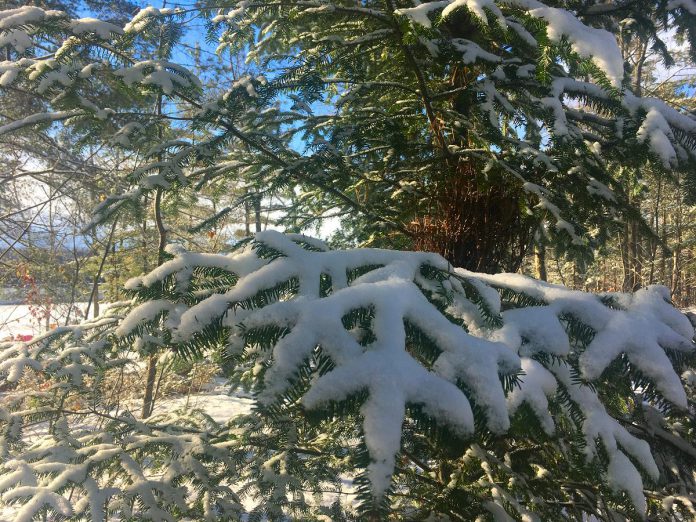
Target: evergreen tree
464	146
439	392
464	126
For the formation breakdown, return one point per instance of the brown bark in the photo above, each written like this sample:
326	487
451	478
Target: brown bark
676	255
663	258
247	219
95	299
636	261
257	212
148	397
540	262
476	228
654	243
94	296
625	260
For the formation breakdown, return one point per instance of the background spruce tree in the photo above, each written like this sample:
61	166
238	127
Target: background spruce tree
466	126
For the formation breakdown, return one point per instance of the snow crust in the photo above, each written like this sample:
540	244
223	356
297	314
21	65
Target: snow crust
231	13
687	5
622	476
537	385
144	16
43	117
245	83
658	121
16	38
11	18
142	313
419	14
160	73
588	42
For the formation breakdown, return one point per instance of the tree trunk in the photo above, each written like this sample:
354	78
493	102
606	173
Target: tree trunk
148	398
257	212
579	274
144	243
656	230
676	256
625	260
663	258
540	262
95	299
675	272
247	218
635	254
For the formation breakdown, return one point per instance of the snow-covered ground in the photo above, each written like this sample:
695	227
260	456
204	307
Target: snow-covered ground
17	319
214	400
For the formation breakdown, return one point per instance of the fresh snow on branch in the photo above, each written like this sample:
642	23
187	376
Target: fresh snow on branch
165	75
39	118
589	42
310	295
103	30
21	16
687	5
401	335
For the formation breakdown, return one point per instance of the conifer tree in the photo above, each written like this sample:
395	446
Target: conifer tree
437	392
467	125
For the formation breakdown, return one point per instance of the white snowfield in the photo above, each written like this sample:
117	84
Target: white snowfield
28	320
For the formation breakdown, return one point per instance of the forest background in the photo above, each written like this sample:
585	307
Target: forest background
53	178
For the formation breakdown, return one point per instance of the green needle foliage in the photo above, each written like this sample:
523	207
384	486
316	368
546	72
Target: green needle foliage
387	385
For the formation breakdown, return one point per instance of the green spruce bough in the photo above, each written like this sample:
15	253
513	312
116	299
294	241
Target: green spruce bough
433	390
